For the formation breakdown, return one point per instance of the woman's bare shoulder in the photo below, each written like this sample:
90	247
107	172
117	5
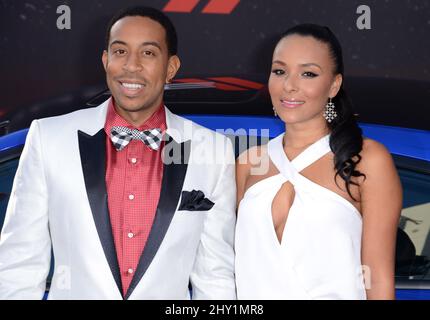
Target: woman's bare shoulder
376	162
374	154
251	157
247	160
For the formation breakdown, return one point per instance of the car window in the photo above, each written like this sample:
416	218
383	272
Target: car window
413	241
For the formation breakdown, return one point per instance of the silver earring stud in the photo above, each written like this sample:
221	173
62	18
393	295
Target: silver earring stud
274	112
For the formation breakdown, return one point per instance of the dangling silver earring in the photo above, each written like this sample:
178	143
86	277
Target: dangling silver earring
330	112
274	111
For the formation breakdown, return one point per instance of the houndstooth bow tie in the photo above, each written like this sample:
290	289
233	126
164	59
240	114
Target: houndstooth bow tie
121	137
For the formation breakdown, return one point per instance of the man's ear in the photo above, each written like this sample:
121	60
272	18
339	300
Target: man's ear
105	59
174	64
335	87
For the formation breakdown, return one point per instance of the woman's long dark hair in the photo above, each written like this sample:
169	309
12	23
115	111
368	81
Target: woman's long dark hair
346	140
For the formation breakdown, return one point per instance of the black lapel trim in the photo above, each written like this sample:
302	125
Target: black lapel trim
171	187
93	159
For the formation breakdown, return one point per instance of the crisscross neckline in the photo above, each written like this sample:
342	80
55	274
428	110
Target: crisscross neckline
288	168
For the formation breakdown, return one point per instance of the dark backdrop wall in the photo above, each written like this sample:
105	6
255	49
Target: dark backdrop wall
38	61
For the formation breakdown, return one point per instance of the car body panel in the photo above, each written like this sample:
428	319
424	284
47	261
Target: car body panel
400	141
212	104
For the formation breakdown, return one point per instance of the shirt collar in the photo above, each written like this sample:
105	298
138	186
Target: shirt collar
113	119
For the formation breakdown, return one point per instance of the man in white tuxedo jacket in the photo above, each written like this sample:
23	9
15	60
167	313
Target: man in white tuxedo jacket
66	189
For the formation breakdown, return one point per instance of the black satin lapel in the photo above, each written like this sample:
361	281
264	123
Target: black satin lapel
93	159
171	187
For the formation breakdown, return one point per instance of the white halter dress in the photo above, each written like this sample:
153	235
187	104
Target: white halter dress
319	256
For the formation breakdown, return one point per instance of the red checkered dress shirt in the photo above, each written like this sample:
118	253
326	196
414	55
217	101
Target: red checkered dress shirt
133	182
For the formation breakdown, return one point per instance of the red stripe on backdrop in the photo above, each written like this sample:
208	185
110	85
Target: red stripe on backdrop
181	5
239	82
191	80
219	86
228	87
221	6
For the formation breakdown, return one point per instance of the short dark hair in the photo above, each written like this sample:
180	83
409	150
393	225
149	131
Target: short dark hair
151	13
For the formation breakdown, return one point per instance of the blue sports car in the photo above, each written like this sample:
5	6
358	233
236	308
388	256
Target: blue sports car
243	107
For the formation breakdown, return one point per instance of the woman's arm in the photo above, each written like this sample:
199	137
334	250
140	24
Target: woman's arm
242	171
381	204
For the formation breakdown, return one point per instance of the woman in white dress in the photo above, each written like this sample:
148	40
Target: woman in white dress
318	206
